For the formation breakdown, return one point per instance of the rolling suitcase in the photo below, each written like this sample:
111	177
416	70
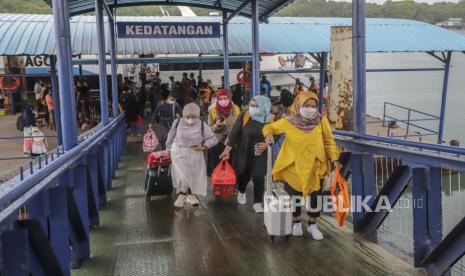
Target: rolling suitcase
158	182
158	175
278	206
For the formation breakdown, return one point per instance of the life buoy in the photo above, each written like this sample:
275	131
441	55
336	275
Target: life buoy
10	83
243	77
282	61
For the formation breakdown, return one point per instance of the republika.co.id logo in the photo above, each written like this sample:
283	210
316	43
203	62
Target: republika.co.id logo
325	204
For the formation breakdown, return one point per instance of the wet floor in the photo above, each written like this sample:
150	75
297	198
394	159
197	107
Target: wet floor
138	237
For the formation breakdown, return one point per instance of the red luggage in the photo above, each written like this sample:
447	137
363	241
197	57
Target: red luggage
224	180
159	158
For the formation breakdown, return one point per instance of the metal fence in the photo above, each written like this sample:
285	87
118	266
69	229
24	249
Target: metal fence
413	121
50	207
424	184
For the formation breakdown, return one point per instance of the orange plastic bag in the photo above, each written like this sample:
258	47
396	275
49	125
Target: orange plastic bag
224	180
340	196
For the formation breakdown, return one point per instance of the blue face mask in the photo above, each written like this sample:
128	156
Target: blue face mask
254	111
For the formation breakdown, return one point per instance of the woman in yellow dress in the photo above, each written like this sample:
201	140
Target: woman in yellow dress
306	157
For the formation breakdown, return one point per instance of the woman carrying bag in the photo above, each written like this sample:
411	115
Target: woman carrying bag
187	140
221	121
250	150
307	155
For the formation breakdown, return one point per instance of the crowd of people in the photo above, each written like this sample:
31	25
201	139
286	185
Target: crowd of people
197	119
44	104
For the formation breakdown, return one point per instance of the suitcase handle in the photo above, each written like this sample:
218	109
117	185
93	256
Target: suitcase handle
269	176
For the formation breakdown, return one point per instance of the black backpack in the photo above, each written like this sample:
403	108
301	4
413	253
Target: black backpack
19	123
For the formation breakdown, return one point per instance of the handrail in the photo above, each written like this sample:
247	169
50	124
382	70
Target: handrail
15	188
414	110
418	145
409	121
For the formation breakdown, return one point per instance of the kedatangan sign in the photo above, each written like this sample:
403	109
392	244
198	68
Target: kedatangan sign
168	30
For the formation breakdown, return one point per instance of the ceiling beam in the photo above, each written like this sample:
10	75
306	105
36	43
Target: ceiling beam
237	11
275	9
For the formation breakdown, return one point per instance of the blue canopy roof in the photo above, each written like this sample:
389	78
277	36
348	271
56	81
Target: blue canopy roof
266	8
33	35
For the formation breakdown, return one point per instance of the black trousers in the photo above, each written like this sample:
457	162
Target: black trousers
313	201
258	183
214	157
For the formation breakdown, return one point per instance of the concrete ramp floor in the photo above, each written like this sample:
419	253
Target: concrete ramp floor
138	237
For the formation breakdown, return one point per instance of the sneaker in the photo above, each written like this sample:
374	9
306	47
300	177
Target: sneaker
315	232
180	201
297	229
241	198
193	200
258	207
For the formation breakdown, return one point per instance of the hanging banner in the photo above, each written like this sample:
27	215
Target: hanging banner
168	30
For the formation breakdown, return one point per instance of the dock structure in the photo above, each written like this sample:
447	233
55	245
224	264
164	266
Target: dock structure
83	207
140	237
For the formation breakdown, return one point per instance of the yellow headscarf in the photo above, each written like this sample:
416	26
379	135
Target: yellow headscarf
300	100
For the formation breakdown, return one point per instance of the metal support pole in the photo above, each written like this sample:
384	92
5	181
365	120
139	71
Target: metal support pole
101	63
65	72
359	65
80	68
255	85
444	98
114	72
225	50
408	122
322	80
56	99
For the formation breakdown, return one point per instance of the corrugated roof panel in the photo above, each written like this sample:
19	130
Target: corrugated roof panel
265	7
33	35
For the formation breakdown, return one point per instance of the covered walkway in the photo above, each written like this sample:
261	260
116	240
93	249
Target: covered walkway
137	237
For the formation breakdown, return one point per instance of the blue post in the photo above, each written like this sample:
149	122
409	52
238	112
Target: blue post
427	211
59	227
444	97
322	80
359	74
65	73
363	182
225	50
56	99
114	72
255	85
15	252
101	62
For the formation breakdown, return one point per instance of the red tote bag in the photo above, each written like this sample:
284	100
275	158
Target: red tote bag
224	180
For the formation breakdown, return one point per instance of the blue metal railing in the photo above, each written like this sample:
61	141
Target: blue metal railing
418	169
409	122
62	198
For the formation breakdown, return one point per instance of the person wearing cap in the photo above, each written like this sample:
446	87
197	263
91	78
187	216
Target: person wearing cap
250	158
221	120
164	115
265	86
187	140
307	155
281	108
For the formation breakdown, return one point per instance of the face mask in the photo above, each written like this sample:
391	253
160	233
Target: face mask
254	110
170	101
189	121
223	103
307	112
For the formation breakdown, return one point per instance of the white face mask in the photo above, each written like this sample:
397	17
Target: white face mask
170	101
307	112
189	121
